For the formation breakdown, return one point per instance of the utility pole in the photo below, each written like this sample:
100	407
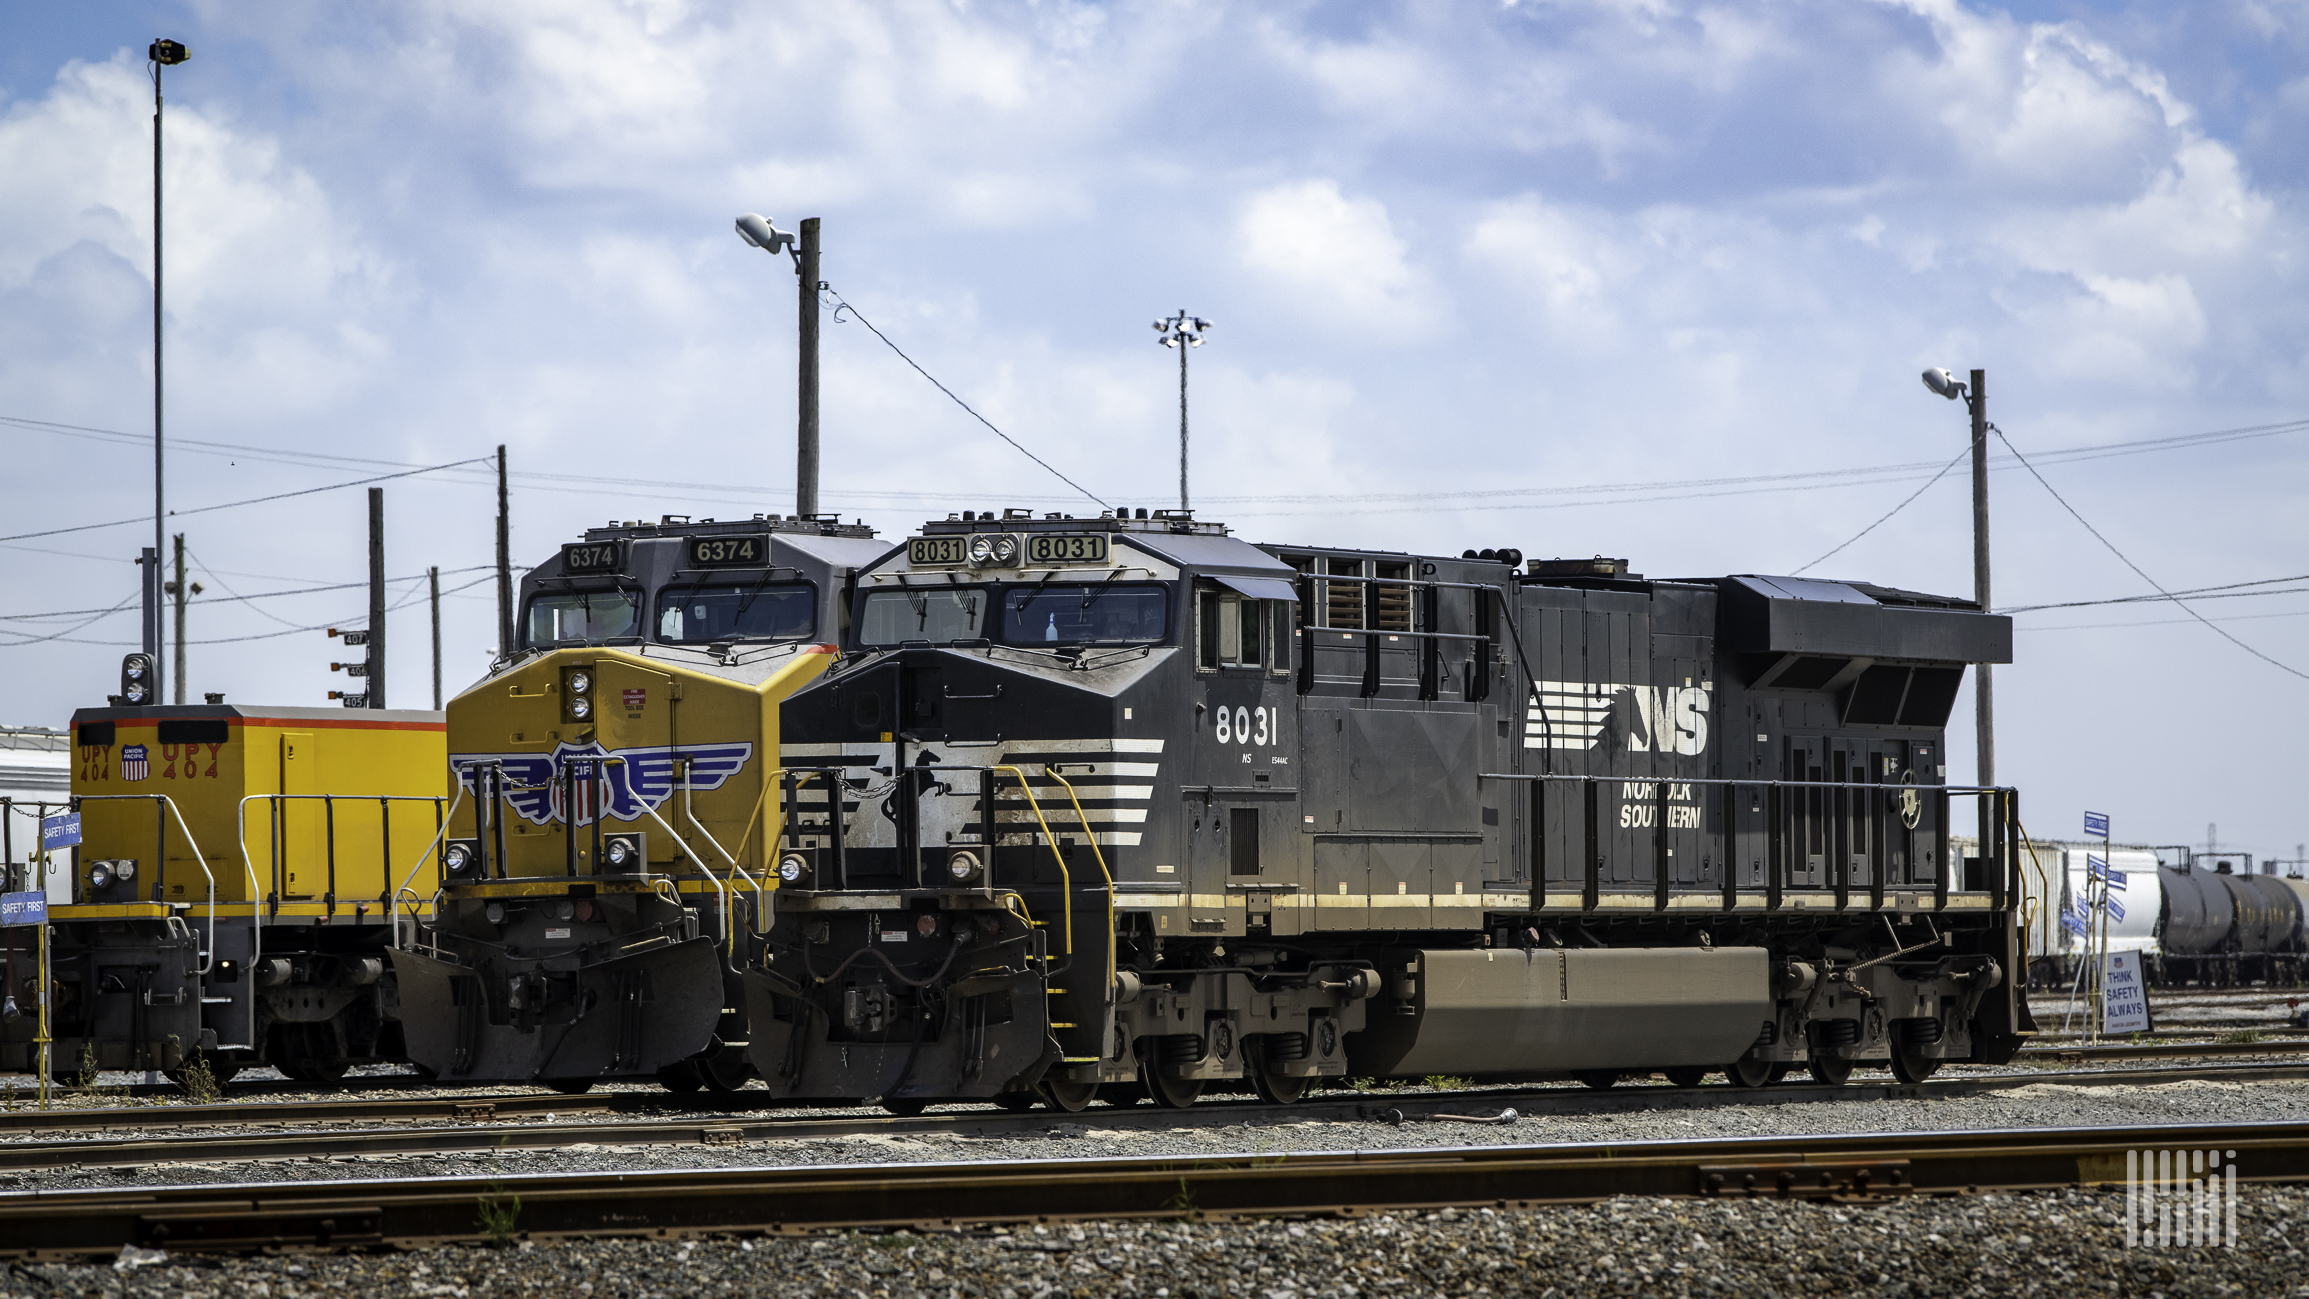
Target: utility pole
163	54
504	563
177	591
1182	331
148	572
376	597
433	580
806	442
1983	700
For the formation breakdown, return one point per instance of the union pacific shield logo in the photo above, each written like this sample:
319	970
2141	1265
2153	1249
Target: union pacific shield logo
133	762
628	783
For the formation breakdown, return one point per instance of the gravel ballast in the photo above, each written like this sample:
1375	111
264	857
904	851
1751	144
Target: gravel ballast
2054	1244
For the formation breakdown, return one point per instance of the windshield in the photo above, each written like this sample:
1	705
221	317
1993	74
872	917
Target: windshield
562	617
943	613
1075	615
758	611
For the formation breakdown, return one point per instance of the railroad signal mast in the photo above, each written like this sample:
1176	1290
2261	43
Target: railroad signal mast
358	671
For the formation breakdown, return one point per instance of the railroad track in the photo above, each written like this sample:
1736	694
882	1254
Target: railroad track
1866	1168
724	1128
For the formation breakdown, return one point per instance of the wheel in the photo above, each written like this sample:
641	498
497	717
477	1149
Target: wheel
1830	1071
567	1086
1279	1089
681	1077
1599	1079
905	1107
1068	1097
1912	1068
1121	1095
1690	1076
1016	1102
1750	1073
725	1069
1168	1093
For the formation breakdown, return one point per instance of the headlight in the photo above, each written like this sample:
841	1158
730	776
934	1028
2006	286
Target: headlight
457	858
1005	549
135	692
792	870
622	852
581	708
124	868
580	682
100	875
134	671
981	548
963	866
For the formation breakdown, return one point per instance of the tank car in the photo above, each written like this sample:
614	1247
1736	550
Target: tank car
232	892
1129	805
2058	880
610	850
2221	926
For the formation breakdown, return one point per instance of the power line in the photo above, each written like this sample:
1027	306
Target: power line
2136	567
2227	591
842	304
228	505
1888	513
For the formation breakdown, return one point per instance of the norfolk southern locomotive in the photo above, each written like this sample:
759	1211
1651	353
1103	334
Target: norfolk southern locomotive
1126	806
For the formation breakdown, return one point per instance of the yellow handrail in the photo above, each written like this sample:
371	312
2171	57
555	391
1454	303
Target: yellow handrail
1098	856
1065	878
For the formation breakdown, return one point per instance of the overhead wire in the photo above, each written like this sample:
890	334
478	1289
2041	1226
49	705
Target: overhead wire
228	505
1888	513
842	304
2128	563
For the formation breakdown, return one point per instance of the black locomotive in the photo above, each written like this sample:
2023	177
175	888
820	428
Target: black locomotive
1128	805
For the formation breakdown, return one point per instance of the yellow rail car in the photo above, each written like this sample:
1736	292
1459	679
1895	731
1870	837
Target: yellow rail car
232	890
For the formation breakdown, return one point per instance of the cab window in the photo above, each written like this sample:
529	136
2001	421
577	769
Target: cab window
696	614
1231	630
935	614
582	618
1079	615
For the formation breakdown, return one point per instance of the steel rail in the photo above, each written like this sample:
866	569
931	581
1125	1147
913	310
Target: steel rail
947	1196
731	1124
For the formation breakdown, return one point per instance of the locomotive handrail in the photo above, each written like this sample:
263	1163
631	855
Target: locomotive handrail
1051	770
1065	877
160	868
440	832
761	904
729	938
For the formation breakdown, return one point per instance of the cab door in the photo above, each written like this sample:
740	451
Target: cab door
302	869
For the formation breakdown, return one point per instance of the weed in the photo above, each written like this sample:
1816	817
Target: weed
86	1078
1182	1204
499	1213
199	1081
2240	1035
1447	1083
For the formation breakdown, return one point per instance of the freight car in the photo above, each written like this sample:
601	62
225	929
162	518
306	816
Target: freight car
611	852
232	891
2222	925
1127	806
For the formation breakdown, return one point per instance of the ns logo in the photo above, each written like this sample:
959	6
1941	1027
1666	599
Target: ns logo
1668	719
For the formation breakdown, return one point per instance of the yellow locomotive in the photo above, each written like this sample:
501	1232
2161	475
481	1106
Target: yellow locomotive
232	892
611	854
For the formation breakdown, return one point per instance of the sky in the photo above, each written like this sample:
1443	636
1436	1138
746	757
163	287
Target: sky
1645	278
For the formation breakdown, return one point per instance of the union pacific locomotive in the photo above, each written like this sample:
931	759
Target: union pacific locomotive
1053	808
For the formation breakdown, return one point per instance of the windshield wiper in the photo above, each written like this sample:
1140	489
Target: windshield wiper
1091	595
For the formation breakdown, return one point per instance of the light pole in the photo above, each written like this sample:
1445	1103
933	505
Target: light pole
162	54
1976	398
758	231
1182	331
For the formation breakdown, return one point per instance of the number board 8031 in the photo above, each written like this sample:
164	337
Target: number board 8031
745	550
593	557
937	550
1057	548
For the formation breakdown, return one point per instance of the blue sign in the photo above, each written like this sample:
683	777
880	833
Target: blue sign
2116	908
2097	823
23	909
59	831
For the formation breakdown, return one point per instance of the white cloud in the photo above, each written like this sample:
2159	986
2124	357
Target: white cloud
1334	259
